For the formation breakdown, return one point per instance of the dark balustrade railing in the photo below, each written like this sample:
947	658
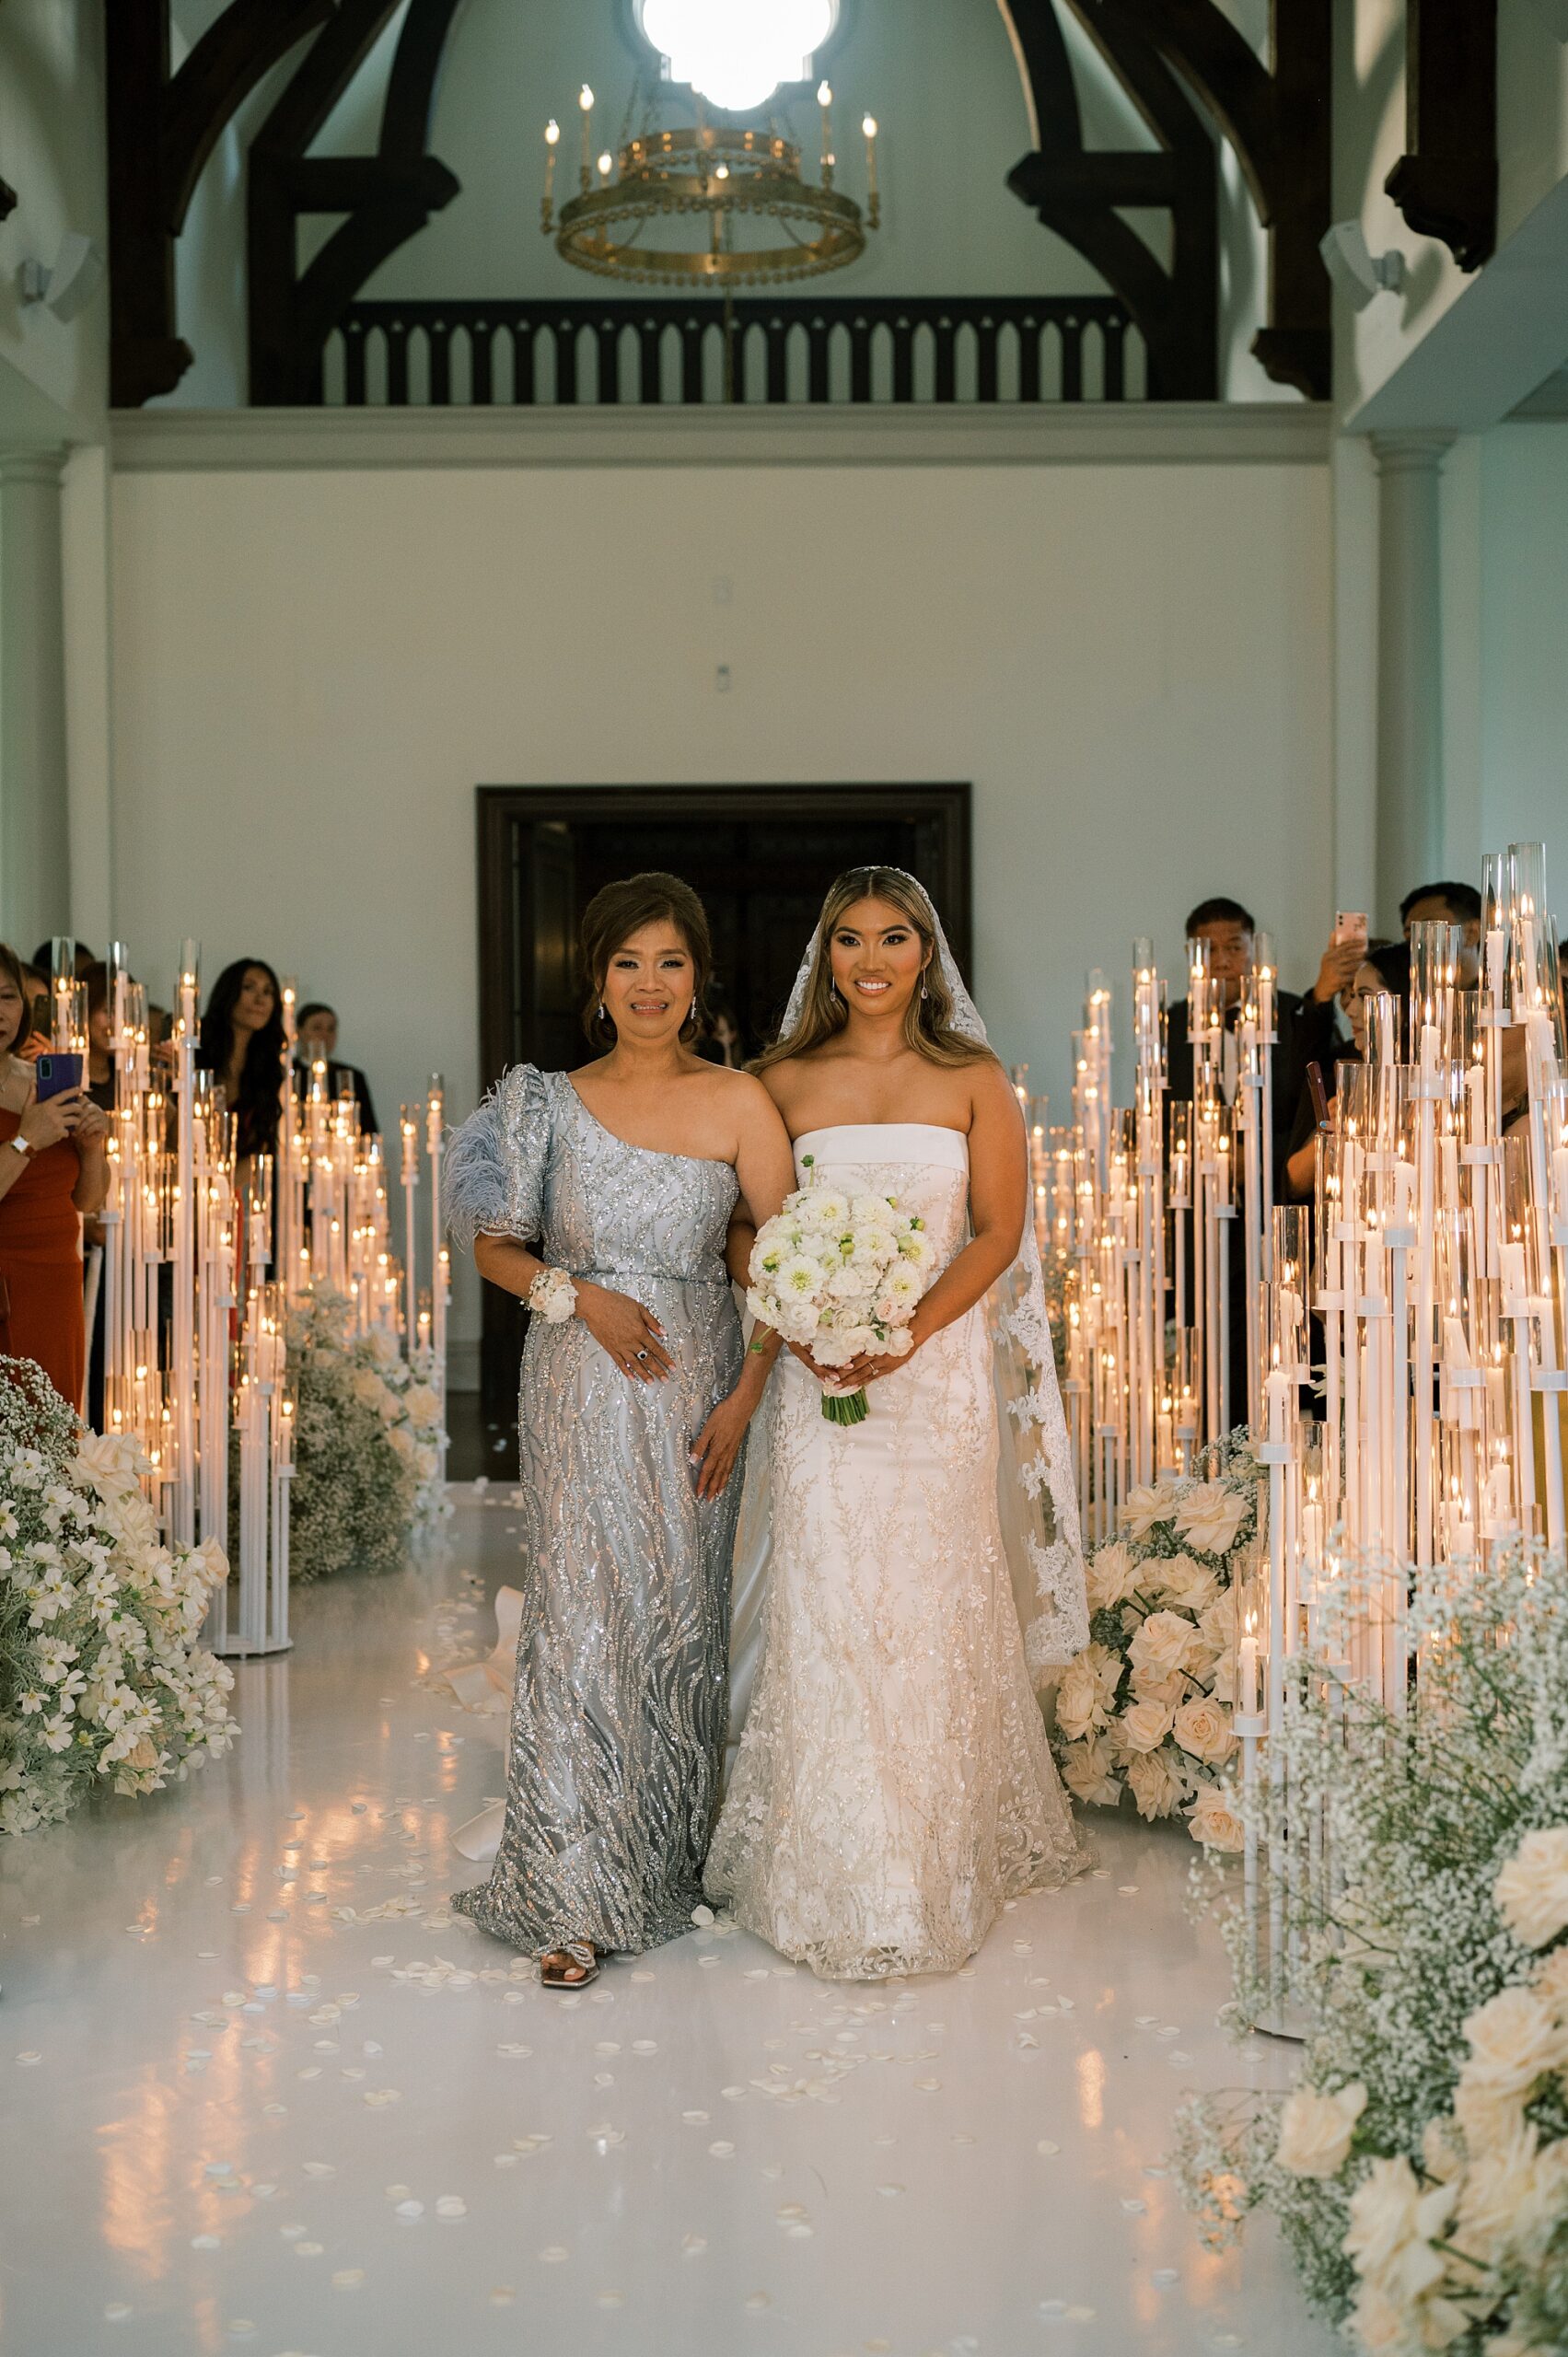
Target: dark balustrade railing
1010	350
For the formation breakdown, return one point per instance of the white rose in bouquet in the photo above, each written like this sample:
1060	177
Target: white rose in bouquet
1316	2130
1210	1516
1192	1586
1154	1785
1079	1708
1214	1821
1201	1728
1112	1575
841	1278
1147	1505
1531	1890
1145	1724
1162	1644
1089	1774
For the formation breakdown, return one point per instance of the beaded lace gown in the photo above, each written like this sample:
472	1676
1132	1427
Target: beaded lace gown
615	1744
893	1785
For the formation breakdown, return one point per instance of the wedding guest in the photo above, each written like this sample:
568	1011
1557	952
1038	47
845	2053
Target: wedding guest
1448	904
53	1165
43	958
243	1045
100	1052
1305	1030
1305	1026
316	1034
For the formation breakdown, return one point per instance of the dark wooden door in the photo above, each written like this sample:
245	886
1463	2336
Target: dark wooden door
759	858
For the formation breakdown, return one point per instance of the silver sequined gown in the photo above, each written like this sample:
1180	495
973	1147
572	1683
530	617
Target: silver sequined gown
619	1710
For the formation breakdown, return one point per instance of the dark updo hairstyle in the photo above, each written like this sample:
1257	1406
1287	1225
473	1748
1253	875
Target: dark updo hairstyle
261	1074
618	910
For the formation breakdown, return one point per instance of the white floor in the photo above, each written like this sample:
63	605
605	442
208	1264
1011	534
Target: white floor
236	2116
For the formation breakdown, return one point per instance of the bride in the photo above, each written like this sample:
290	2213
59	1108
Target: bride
893	1785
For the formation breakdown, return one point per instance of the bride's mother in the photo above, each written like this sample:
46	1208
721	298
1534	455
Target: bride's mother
605	1199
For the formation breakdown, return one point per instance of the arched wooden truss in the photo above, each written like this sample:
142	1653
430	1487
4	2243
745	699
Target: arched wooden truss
1183	64
1180	60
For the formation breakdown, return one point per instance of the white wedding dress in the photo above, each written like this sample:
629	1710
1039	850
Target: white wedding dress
893	1784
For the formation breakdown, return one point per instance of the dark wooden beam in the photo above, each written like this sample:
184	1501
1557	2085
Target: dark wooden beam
161	129
1079	192
384	199
1276	117
1445	183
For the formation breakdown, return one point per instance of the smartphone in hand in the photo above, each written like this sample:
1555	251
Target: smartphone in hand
57	1075
1349	925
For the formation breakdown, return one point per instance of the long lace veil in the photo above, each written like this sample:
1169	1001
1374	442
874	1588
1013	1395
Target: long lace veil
1036	1491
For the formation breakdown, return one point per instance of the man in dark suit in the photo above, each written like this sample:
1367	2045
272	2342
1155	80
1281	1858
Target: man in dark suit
1304	1027
315	1031
1304	1031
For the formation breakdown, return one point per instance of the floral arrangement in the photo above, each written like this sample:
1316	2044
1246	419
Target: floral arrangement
100	1673
842	1274
1146	1707
1419	2167
368	1441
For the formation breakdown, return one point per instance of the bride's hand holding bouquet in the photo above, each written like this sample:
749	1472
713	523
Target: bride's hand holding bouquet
839	1278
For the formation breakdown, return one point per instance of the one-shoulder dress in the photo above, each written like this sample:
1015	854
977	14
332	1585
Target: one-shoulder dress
619	1704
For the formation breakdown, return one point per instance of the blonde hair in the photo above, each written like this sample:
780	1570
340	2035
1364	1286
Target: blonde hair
928	1018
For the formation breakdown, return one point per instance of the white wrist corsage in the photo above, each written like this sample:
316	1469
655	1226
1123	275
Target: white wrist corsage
552	1296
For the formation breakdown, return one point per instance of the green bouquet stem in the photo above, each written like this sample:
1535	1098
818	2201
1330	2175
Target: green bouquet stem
844	1406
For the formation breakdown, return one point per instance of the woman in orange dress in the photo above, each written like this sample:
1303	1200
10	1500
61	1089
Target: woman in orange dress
53	1165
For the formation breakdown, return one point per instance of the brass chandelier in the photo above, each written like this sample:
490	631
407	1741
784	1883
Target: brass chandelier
708	203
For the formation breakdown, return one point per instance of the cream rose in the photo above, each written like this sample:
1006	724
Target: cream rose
1531	1890
1210	1516
1391	2226
1172	1689
1212	1822
1194	1587
1112	1575
1088	1772
1144	1507
1161	1645
1078	1706
1202	1727
1507	2194
1144	1725
1316	2130
109	1463
1513	2040
1153	1783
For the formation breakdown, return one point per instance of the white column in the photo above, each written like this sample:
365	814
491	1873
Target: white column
1409	666
35	855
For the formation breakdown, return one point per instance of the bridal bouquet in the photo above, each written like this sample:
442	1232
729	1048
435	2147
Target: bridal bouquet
840	1275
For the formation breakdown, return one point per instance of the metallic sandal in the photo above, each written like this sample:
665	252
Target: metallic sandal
579	1952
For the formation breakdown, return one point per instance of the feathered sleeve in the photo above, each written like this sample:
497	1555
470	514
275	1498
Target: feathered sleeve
492	1168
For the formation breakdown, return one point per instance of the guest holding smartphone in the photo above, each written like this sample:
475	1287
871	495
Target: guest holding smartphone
54	1167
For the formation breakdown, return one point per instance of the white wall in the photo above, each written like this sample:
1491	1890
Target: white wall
1523	644
312	672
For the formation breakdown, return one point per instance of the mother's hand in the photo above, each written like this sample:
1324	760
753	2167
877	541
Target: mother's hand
627	1332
